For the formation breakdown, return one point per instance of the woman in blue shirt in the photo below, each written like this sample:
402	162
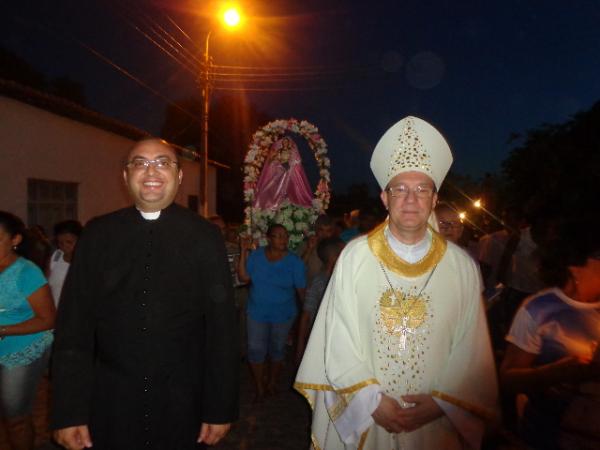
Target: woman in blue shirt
26	316
276	276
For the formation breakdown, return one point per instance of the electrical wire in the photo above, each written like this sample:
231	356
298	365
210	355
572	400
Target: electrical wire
182	63
134	78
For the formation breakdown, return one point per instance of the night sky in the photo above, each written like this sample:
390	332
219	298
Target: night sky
479	71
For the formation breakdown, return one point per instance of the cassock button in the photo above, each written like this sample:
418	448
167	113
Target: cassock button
147	443
143	305
145	378
144	329
145	291
146	389
147	267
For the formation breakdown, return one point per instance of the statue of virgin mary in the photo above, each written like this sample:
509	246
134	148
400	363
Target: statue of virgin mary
283	177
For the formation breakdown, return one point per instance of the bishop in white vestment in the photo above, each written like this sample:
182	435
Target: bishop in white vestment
402	322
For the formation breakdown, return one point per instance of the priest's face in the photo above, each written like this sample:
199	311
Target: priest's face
152	175
409	199
449	223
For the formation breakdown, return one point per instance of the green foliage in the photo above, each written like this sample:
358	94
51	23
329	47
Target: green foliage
557	166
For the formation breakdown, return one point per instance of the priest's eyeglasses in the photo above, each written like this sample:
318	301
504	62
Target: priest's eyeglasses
402	191
449	224
158	163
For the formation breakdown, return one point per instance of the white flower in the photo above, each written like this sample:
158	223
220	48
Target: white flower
295	218
301	226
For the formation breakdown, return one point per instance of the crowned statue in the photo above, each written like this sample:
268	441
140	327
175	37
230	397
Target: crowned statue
283	178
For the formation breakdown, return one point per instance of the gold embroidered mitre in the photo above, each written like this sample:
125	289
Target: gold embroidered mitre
411	145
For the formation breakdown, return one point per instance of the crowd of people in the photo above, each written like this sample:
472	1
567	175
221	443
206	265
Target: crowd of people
405	334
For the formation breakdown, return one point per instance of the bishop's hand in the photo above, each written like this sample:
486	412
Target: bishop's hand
387	415
425	410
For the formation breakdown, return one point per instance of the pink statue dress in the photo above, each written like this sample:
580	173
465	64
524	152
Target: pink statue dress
279	180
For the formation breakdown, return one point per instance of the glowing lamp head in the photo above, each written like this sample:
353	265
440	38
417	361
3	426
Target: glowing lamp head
462	216
477	203
231	17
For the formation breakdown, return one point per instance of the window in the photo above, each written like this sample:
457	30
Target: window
49	202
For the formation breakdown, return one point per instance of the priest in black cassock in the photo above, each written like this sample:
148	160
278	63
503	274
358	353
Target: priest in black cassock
146	349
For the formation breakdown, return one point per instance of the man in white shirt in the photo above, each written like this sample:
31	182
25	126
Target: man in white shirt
399	356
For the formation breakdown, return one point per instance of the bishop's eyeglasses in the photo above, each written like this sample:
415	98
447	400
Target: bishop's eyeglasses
402	191
162	163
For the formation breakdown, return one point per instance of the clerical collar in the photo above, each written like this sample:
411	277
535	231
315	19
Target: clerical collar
150	215
409	253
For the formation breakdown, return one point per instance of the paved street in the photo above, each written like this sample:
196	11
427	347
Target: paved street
280	423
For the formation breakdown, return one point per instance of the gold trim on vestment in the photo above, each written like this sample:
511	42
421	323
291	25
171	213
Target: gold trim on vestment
303	387
300	387
473	409
381	249
315	444
363	439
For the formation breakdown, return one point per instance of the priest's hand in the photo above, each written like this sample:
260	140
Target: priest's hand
425	410
387	415
73	438
211	433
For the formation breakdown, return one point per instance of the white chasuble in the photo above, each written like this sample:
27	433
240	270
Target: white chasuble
388	326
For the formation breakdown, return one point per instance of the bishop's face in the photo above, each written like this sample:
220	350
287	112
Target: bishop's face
409	199
152	186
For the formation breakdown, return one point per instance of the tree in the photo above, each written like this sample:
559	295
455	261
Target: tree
557	166
15	68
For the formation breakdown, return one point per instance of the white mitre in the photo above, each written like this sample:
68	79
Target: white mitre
411	145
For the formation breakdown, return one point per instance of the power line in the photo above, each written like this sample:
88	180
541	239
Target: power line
296	68
183	48
288	74
184	64
276	73
134	78
283	89
182	32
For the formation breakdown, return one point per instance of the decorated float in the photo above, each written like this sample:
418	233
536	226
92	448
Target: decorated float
276	189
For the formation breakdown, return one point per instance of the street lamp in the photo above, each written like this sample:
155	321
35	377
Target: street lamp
232	19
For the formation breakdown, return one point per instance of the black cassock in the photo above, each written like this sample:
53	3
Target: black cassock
146	342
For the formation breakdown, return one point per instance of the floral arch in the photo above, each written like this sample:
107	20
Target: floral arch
297	219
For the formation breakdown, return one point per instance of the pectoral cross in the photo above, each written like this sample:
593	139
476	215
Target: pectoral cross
404	330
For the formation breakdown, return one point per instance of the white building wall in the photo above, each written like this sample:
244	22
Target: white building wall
35	143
